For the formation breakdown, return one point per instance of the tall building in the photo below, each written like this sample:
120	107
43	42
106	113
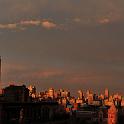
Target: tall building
112	115
88	92
0	71
64	93
106	93
0	75
51	92
32	91
14	93
81	95
90	98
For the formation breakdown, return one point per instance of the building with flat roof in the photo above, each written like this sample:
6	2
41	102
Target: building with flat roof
14	93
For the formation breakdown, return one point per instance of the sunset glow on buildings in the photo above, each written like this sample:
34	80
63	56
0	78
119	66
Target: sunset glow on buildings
61	61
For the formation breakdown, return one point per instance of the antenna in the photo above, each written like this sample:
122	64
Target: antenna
0	70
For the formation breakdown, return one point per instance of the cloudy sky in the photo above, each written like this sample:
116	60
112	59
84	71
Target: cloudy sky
71	44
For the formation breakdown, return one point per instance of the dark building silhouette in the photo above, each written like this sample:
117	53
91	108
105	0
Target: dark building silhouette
16	107
27	113
0	70
14	93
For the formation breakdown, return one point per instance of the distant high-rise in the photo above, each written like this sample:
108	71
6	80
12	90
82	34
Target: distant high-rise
0	69
81	95
51	92
32	91
106	93
112	115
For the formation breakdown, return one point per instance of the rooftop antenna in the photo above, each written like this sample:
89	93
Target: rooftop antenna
0	74
0	69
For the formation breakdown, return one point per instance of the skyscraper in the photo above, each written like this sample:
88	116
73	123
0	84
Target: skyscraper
51	92
106	93
81	95
0	71
112	115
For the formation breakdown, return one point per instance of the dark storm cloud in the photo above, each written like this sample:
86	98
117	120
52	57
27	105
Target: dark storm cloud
63	43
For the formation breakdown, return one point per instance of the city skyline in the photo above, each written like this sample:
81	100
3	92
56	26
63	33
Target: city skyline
63	44
59	105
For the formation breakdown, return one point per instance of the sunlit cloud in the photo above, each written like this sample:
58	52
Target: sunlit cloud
12	71
104	21
47	73
53	24
8	26
77	20
24	24
48	25
30	22
44	23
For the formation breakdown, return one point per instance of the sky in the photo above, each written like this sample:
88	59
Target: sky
70	44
